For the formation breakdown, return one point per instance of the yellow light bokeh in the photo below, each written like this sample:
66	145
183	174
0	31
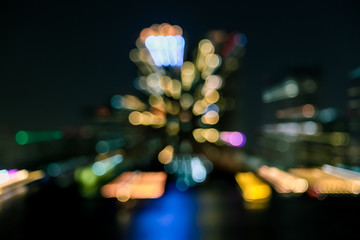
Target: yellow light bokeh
186	101
253	189
172	128
211	135
175	90
133	103
206	47
187	75
198	107
198	135
135	118
165	156
283	182
323	183
210	117
212	96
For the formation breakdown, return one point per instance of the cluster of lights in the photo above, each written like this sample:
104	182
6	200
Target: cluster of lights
300	127
136	185
235	139
328	180
11	180
207	61
187	99
335	139
146	118
190	169
293	128
283	182
163	29
169	96
165	44
91	176
322	183
206	134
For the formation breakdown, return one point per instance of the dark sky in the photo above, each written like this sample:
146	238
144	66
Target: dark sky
60	58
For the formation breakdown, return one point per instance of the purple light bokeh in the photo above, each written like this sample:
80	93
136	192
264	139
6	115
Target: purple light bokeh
236	139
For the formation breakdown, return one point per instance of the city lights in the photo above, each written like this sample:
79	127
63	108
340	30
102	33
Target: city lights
321	183
283	182
206	134
136	185
342	173
253	189
113	127
91	176
11	180
190	170
293	128
183	100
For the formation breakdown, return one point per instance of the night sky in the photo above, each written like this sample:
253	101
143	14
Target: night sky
60	59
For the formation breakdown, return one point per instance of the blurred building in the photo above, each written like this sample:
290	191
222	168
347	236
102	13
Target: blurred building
231	48
297	130
353	116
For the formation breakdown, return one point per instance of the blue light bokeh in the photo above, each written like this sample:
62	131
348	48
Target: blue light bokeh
173	216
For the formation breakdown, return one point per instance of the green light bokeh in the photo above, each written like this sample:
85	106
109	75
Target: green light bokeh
26	137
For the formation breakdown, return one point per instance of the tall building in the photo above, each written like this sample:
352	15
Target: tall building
296	130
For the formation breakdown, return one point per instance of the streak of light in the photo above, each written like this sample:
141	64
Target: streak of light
322	183
27	137
236	139
15	179
288	89
252	188
283	182
136	185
